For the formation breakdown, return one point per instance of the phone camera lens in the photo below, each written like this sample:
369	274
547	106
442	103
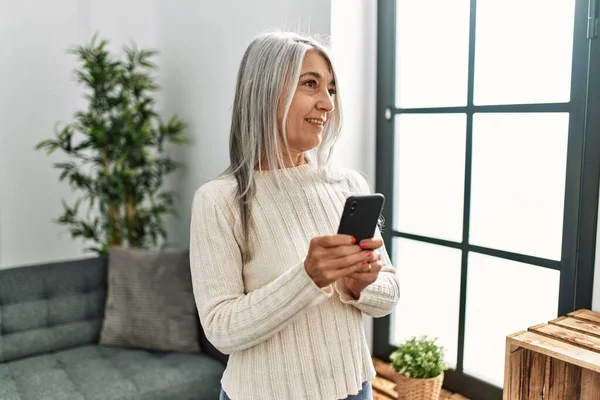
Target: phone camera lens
353	207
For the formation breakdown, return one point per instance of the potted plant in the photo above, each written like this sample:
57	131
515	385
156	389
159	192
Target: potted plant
419	365
116	151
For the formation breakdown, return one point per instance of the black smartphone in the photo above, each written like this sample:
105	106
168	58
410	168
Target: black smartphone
361	215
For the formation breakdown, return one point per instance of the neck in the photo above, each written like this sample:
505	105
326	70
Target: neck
293	160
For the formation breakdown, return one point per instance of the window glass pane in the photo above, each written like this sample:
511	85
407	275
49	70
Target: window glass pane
430	170
432	53
523	51
518	182
429	305
503	297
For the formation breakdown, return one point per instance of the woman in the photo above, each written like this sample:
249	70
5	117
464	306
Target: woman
274	286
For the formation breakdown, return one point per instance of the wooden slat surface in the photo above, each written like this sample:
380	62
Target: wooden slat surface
586	315
536	364
567	335
385	386
590	385
510	348
456	396
384	369
512	380
578	325
557	349
380	396
527	375
563	380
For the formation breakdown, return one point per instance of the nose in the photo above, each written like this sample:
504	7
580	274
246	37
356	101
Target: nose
325	102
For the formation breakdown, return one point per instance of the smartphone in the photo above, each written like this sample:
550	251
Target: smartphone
361	215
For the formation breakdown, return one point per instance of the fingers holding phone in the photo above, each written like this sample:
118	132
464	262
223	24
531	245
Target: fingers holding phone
368	273
332	257
358	281
374	257
371	244
359	219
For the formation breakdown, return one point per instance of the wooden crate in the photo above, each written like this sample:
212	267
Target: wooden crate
557	360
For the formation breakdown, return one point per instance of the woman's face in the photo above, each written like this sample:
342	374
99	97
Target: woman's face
312	104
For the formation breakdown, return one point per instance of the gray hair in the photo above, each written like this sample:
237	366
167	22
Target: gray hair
270	69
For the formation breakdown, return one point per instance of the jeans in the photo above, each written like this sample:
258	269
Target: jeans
366	393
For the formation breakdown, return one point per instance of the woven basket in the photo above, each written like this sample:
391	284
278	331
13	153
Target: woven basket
419	389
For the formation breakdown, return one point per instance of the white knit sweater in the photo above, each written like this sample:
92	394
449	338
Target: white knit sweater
287	339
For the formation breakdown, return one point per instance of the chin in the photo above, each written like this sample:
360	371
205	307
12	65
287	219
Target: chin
313	144
308	142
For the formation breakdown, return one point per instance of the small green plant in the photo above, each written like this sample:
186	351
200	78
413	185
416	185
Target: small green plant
419	358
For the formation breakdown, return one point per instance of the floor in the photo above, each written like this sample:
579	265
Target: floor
384	388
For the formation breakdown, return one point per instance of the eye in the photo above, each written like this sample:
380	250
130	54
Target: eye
311	83
332	91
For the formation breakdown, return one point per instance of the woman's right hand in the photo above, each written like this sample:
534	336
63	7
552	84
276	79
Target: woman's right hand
333	257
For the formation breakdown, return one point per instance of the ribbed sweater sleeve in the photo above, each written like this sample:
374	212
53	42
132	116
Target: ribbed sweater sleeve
232	319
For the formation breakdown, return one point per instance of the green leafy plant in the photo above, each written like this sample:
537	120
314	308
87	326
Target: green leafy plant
116	151
419	358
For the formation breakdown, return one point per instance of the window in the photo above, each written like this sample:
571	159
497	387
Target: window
488	125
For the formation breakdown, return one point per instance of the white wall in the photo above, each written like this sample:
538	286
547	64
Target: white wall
36	92
354	50
201	44
354	53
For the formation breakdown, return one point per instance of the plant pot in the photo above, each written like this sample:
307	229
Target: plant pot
419	389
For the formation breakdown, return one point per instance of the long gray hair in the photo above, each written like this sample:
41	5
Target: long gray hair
270	69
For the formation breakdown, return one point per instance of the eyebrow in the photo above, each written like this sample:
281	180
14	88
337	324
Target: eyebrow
316	75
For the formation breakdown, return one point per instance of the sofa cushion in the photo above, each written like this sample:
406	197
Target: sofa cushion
102	373
150	301
51	307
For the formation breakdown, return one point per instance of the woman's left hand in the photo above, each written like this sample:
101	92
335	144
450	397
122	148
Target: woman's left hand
369	272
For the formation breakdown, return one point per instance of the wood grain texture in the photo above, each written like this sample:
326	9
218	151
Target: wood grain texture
558	349
455	396
575	338
587	315
536	364
512	379
564	381
380	396
559	360
384	369
511	347
578	325
590	385
527	375
385	386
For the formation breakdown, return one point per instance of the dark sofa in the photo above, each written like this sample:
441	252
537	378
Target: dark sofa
50	322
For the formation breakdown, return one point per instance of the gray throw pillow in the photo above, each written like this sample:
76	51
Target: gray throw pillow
150	302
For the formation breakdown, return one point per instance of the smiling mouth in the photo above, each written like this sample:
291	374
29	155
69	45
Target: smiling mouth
315	121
